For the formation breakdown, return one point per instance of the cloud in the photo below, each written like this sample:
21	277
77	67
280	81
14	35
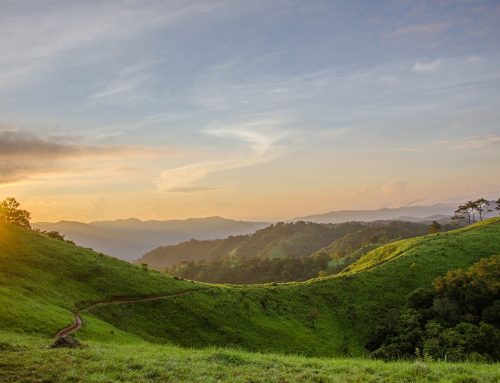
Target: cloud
262	137
128	84
428	29
394	188
35	38
23	155
425	67
473	142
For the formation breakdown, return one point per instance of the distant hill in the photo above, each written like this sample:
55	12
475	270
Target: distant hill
129	238
282	240
275	241
404	213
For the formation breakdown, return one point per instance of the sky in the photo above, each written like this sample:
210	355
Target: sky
255	110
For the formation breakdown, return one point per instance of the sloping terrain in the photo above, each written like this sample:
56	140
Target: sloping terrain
298	239
43	281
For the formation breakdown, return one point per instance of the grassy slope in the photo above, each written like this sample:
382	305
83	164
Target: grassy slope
42	280
276	318
55	277
279	240
29	361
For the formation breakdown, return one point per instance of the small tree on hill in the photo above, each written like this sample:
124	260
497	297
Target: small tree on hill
10	213
482	206
464	213
435	227
497	202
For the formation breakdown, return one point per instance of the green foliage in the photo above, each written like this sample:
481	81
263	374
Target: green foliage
254	270
296	239
11	213
282	251
449	322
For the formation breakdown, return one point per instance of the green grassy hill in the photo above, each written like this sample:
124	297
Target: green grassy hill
297	239
43	280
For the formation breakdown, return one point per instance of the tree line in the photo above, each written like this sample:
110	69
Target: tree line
254	269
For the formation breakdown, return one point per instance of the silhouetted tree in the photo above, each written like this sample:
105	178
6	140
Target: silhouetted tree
10	213
464	213
481	205
497	202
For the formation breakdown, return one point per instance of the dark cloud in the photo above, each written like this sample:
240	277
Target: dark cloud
25	154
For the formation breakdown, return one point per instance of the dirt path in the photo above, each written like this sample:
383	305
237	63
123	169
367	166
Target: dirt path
77	324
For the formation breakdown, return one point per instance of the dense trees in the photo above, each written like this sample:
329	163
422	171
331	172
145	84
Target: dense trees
255	270
11	213
458	319
281	257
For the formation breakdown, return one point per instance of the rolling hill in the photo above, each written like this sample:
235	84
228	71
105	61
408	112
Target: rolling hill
129	238
44	280
343	242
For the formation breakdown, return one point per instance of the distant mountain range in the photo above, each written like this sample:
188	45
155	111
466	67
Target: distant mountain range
130	238
405	213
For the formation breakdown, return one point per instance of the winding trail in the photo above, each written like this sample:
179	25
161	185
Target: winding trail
77	323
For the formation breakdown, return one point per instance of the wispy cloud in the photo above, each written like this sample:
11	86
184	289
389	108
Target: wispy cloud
34	41
128	84
472	142
425	67
263	137
428	29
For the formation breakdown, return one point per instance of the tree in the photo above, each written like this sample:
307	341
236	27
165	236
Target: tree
497	202
435	227
463	213
10	213
481	206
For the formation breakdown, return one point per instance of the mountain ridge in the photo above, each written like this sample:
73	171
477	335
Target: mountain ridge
130	238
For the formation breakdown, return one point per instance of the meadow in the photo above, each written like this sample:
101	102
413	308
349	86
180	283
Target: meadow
27	359
312	331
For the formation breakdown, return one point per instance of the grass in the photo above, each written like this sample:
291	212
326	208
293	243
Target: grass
277	318
42	281
29	361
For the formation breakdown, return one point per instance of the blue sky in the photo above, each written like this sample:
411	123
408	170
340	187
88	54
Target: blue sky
247	109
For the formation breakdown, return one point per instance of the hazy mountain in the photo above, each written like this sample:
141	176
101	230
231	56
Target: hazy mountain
130	238
404	213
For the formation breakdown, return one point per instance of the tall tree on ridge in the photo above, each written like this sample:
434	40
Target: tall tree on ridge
481	205
10	213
